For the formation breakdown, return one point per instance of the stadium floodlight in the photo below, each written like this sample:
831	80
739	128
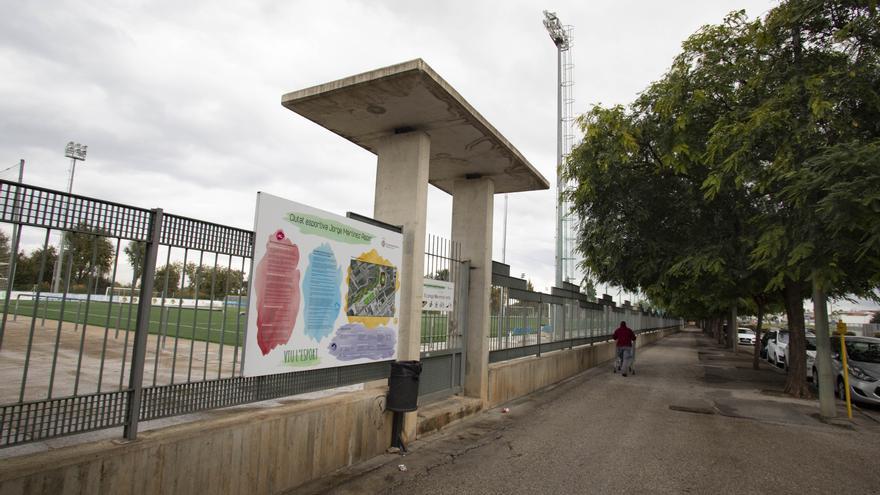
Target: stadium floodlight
560	39
557	32
76	152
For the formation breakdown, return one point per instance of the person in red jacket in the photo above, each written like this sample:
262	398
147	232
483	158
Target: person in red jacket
625	339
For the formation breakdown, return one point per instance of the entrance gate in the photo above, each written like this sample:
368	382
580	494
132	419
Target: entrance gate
442	332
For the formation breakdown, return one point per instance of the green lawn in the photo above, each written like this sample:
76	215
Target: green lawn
212	325
183	322
177	321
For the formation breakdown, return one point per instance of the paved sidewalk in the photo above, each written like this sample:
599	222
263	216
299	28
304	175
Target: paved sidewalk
694	419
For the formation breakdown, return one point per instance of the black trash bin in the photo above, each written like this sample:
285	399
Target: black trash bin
403	386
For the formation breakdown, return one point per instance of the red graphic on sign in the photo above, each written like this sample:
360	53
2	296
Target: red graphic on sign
277	290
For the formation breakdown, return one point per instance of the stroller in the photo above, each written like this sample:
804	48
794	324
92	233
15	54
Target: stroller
618	363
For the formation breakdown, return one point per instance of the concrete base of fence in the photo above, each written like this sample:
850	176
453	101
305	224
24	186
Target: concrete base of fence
275	450
434	417
509	380
241	451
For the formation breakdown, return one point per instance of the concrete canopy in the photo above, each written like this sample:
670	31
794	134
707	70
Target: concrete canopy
412	97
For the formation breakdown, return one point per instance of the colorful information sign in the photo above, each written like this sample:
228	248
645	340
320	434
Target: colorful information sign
325	290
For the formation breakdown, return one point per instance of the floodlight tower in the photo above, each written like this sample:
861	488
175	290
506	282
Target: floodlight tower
561	36
76	152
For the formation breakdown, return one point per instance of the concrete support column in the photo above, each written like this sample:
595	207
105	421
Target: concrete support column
402	199
472	209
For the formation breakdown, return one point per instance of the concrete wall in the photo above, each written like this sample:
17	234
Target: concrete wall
250	451
254	450
512	379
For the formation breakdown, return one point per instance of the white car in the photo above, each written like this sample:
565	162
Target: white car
811	358
777	349
863	360
745	336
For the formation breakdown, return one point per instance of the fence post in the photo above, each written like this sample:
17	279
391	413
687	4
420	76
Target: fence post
461	306
142	328
540	321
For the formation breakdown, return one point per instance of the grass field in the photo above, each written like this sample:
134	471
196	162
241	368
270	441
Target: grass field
177	322
228	324
174	321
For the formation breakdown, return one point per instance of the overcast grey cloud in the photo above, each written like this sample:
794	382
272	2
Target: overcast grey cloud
179	102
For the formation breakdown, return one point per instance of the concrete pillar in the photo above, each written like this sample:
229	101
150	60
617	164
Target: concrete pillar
402	199
472	205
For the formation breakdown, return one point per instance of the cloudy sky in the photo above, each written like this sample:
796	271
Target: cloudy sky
179	102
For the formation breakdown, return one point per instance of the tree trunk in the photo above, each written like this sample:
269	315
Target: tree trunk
757	357
824	377
796	383
732	330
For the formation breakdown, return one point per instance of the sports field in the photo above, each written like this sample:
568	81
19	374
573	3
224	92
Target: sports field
226	324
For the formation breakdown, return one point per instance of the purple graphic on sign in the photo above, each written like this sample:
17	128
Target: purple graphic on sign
355	341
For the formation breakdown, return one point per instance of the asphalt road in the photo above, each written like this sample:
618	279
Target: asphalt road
693	419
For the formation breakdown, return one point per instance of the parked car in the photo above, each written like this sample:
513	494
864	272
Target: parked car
863	360
745	336
765	339
777	349
811	358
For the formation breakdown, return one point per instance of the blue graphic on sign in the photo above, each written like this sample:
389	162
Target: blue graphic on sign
321	292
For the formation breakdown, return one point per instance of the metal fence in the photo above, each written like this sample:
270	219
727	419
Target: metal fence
442	337
120	314
525	322
441	330
114	314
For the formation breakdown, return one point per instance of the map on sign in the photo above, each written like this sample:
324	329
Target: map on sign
371	289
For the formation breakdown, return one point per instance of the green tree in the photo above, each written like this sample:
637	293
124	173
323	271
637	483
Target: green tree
212	282
5	261
136	252
4	247
167	279
588	287
811	85
85	247
726	136
27	271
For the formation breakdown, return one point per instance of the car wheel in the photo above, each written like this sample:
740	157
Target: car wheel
841	389
815	377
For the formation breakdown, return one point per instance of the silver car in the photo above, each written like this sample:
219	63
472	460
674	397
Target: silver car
863	360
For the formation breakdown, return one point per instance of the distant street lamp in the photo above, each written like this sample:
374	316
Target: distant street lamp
76	152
